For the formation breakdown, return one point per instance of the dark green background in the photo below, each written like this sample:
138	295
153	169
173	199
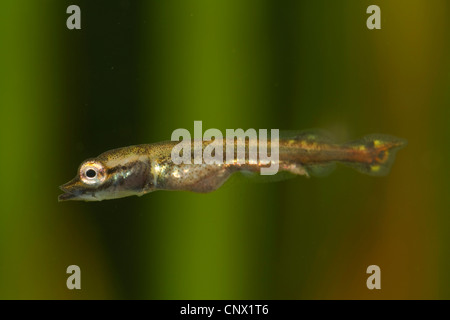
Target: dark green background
137	70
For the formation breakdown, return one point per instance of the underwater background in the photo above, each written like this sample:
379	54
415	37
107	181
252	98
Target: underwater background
137	70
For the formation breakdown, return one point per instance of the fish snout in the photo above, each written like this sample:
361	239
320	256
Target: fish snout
72	190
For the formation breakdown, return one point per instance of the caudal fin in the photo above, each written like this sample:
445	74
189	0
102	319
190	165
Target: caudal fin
380	151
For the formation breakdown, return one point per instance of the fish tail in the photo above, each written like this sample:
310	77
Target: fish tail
374	154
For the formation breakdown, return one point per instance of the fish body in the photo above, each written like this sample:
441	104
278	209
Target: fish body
140	169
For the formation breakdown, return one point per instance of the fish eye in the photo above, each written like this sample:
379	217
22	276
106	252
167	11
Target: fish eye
92	173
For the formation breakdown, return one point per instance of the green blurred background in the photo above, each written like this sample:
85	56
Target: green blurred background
137	70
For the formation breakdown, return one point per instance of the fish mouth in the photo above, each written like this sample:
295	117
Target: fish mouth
66	196
71	192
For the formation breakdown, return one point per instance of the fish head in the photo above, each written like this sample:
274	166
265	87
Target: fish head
114	174
89	183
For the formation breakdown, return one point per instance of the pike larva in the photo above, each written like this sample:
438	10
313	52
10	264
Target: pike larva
137	170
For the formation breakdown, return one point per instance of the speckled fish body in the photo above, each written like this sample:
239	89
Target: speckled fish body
140	169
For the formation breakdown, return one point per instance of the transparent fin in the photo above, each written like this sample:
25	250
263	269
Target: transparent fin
258	178
377	140
321	170
314	135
